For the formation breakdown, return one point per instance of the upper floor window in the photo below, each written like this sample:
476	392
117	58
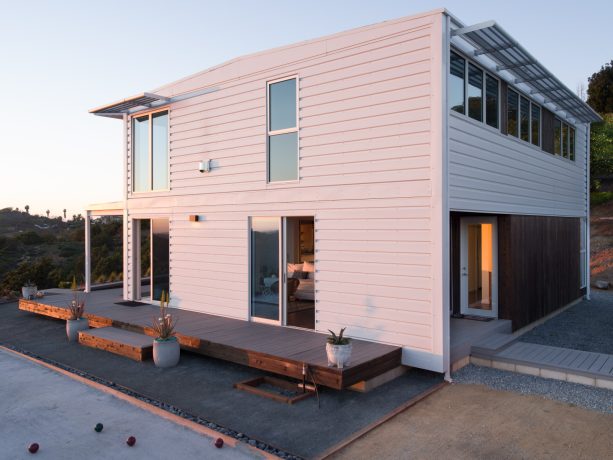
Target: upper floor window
535	125
524	119
475	92
491	101
150	152
557	137
282	131
566	135
513	113
457	72
571	143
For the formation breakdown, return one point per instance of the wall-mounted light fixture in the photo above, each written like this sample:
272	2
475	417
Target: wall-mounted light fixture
194	218
204	166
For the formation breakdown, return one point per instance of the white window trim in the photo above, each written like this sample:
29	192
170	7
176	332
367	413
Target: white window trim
277	132
150	136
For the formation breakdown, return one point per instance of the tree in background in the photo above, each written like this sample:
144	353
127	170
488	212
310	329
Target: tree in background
28	208
600	89
601	143
64	213
600	98
47	211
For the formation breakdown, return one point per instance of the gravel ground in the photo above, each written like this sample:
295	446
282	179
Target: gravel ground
586	326
598	399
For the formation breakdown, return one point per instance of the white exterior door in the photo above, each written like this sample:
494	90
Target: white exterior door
479	266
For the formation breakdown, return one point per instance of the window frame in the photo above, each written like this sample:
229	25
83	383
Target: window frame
277	132
540	130
133	118
486	73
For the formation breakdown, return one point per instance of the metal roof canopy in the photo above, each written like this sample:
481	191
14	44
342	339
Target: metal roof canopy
143	101
488	38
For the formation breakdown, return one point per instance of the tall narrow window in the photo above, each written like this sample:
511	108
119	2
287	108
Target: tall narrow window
457	74
557	137
475	92
141	154
571	143
150	152
159	150
282	131
524	117
535	125
491	101
513	113
564	140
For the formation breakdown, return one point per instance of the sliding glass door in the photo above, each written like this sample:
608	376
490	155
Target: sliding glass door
152	269
265	274
283	271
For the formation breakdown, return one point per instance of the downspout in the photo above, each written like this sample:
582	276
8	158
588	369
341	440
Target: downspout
445	202
587	218
126	277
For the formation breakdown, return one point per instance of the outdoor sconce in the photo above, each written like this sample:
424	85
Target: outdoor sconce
204	166
194	218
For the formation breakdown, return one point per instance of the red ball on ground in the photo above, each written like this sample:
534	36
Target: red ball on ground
219	443
33	448
131	441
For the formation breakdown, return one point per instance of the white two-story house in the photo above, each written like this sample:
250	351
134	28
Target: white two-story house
382	179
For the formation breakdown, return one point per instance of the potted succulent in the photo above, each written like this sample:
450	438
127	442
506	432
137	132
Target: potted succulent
166	348
75	321
29	290
338	349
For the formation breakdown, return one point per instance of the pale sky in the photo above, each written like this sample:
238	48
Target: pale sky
58	59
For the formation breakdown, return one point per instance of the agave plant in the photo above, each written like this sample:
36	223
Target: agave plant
165	324
76	307
335	339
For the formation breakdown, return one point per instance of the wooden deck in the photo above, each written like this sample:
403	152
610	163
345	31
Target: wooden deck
280	350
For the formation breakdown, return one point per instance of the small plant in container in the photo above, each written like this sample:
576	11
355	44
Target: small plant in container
29	290
166	348
338	349
76	322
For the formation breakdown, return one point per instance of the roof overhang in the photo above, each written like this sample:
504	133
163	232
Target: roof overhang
113	208
490	40
144	101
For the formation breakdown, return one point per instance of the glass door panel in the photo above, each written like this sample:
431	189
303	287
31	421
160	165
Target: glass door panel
265	283
478	266
160	273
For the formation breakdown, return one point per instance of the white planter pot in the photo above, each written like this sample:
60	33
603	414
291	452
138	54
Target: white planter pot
166	353
73	326
338	355
29	292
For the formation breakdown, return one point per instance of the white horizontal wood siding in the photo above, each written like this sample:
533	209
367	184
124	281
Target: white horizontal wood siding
366	159
493	172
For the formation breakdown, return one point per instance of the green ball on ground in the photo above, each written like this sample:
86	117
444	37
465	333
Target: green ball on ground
98	427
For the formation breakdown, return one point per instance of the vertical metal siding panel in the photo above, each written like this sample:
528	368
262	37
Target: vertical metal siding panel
490	172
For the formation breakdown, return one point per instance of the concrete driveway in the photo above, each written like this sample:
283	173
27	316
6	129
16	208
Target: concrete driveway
59	413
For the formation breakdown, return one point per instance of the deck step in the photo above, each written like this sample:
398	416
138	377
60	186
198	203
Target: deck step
133	345
492	343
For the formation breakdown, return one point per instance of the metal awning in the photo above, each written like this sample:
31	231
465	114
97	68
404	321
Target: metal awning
130	104
144	101
489	39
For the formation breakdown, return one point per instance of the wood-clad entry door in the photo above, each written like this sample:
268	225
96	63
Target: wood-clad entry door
479	266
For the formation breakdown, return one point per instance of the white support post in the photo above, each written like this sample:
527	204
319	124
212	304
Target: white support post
88	252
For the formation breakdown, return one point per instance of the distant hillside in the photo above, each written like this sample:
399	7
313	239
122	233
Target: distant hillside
50	252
